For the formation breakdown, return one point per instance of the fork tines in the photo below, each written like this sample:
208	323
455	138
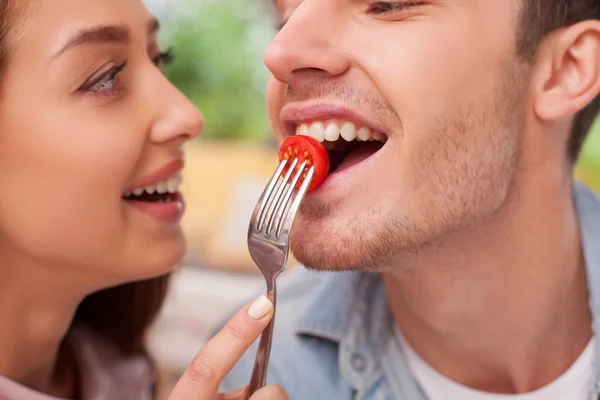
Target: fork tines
276	201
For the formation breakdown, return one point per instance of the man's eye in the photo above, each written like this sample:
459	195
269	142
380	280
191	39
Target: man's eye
384	7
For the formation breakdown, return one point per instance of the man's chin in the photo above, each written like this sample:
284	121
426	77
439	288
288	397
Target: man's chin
317	262
322	240
313	210
320	247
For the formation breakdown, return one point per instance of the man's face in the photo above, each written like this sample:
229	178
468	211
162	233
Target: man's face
441	92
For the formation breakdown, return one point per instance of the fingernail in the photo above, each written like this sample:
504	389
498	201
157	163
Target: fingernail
260	308
234	394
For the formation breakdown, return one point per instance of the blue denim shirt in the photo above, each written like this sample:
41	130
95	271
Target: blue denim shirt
333	335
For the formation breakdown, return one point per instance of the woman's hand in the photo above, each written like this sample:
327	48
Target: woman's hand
213	362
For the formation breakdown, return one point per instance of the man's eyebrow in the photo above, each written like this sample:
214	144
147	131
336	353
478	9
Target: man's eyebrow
104	34
99	34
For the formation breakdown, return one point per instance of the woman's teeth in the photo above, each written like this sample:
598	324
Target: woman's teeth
171	186
333	131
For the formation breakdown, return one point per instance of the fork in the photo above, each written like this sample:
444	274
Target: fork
268	243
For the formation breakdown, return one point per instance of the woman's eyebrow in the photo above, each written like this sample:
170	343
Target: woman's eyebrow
103	34
95	35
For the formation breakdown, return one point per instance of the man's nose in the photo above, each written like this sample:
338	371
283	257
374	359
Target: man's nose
310	41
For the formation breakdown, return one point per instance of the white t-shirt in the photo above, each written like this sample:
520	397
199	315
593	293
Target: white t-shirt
574	384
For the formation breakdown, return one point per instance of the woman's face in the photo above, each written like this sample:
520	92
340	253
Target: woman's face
86	118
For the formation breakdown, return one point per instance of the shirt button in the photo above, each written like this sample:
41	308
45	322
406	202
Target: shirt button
358	362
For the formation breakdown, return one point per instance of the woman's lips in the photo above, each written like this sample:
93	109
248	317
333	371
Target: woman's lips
169	211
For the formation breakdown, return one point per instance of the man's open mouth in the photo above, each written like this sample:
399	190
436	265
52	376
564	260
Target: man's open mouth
161	192
346	143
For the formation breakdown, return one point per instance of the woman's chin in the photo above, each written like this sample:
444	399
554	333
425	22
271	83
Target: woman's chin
151	264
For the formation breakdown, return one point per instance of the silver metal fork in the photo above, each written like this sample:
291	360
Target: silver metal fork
268	243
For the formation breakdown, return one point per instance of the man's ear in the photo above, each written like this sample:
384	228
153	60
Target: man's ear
567	71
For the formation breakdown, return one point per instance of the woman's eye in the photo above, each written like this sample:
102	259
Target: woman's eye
105	81
384	7
163	59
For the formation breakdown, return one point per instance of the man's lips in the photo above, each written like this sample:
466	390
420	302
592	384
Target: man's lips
294	114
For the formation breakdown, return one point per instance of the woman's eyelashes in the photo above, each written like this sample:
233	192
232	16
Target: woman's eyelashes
389	7
104	81
164	58
107	80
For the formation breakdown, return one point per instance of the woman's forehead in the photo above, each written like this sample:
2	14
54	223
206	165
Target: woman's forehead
57	20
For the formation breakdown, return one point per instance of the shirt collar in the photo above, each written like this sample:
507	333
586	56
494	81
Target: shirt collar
350	309
588	209
336	300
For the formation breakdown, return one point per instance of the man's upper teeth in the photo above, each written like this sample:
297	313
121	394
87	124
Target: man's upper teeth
171	185
364	134
318	131
333	131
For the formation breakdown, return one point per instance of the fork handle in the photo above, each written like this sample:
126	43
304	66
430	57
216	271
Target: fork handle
259	373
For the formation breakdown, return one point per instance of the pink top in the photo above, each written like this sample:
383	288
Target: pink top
104	373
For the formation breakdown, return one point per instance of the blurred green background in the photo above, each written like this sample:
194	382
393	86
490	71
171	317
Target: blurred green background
218	46
589	164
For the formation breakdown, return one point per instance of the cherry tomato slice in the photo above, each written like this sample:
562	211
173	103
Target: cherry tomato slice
305	148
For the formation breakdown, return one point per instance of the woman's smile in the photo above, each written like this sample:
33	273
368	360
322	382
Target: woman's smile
157	194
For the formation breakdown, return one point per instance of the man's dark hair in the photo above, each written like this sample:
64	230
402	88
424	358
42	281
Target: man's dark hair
541	17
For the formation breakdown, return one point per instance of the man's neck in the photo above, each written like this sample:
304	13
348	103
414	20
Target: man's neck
503	308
